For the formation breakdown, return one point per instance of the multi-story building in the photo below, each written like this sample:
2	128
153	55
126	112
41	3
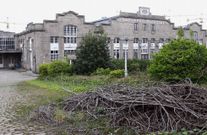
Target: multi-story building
142	33
139	34
52	39
10	56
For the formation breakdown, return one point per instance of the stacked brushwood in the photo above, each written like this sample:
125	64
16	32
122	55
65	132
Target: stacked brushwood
145	109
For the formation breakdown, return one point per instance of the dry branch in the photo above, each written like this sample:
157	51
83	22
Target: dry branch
156	108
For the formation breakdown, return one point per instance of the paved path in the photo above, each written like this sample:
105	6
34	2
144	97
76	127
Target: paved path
12	77
8	97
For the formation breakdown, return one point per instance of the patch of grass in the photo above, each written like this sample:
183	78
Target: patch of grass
49	85
72	83
36	93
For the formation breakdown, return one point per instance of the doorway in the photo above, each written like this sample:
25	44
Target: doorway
1	61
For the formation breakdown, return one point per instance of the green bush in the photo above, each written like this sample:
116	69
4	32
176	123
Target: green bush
117	64
117	73
43	70
59	67
138	65
178	60
102	71
134	65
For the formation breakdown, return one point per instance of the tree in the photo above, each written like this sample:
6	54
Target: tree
180	33
180	59
191	34
93	53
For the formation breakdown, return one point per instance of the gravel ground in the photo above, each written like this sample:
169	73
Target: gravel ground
8	97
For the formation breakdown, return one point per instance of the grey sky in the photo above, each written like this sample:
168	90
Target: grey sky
22	12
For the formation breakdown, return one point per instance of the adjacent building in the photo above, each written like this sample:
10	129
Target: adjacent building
10	56
139	34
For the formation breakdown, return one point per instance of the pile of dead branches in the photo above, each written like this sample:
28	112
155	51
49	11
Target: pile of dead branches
156	108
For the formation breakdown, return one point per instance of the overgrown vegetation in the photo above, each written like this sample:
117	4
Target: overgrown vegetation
102	71
72	83
133	65
178	60
56	89
54	68
117	73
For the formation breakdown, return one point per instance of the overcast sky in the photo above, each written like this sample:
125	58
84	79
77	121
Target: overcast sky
21	12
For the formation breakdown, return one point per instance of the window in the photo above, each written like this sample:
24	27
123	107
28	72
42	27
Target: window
116	40
144	50
70	34
153	28
136	40
69	52
108	40
145	40
195	35
54	55
153	40
161	40
135	26
200	41
72	40
168	40
144	27
204	34
70	30
144	56
116	54
135	53
1	59
116	48
53	39
7	43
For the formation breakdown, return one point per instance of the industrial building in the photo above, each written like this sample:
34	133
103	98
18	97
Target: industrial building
10	56
141	34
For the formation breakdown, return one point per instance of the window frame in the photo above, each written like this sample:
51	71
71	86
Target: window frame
153	27
70	34
136	26
144	26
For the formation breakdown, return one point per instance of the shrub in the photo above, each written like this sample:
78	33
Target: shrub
59	67
138	65
43	70
134	65
102	71
117	73
117	64
178	60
